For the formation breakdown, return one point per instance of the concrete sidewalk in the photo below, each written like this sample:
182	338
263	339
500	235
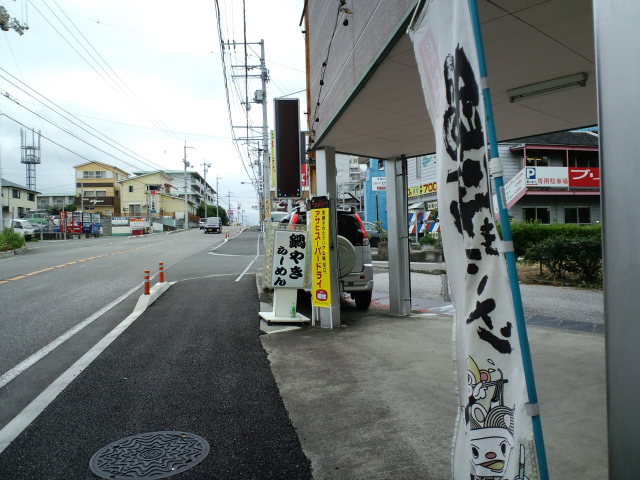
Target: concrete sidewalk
375	399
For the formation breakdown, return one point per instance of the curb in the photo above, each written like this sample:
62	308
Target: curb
11	253
146	300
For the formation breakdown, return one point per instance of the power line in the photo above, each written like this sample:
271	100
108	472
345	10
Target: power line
73	116
109	81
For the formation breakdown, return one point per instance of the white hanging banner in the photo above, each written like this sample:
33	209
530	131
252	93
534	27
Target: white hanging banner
494	435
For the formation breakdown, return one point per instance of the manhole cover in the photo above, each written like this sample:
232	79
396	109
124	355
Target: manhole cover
149	456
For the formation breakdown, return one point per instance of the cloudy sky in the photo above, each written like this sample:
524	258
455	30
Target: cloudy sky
131	81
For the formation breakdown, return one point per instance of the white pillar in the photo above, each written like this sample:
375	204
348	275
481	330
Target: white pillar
326	185
618	66
398	233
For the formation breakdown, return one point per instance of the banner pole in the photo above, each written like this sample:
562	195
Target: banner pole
495	168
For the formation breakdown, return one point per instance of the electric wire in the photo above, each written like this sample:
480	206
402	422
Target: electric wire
109	81
144	159
226	87
152	115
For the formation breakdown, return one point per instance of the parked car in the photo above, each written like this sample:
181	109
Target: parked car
202	222
354	254
373	233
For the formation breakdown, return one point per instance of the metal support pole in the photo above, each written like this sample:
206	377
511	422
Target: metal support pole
617	38
326	177
510	257
217	199
398	238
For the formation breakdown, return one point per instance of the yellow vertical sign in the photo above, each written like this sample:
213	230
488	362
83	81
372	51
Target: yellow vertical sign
320	266
273	160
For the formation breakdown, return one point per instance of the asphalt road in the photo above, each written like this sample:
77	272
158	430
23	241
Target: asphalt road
192	362
56	285
561	307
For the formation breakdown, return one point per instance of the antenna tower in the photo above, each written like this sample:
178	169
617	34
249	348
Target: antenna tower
30	156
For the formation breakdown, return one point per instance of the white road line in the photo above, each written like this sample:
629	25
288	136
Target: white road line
21	421
252	261
22	366
227	254
210	276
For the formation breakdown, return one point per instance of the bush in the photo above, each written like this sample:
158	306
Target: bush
528	234
579	256
10	240
431	240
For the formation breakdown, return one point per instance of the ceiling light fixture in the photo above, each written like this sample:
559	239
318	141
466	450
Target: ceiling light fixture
548	86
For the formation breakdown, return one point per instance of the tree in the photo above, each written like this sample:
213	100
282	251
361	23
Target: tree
56	210
211	212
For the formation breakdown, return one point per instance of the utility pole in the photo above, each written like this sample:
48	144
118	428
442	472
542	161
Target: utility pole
206	166
266	182
217	198
229	204
186	207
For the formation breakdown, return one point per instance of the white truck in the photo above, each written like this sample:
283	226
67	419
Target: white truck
212	225
23	227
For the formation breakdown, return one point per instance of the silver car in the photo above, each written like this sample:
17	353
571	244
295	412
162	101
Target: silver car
354	254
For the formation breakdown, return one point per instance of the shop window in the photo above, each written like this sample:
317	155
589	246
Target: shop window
581	215
536	214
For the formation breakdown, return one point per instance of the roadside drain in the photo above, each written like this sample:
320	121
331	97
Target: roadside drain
149	456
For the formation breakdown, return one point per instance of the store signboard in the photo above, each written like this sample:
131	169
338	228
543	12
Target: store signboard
584	177
378	183
320	266
550	177
289	259
424	189
515	188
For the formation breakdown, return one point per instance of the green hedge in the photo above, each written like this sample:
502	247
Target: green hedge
529	234
10	240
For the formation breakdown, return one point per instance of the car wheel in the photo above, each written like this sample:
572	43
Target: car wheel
363	299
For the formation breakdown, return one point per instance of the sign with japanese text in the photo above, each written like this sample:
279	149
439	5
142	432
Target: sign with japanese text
289	258
515	188
378	183
320	266
494	435
550	177
584	177
423	189
273	161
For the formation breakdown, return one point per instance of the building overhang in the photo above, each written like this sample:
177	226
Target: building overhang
526	42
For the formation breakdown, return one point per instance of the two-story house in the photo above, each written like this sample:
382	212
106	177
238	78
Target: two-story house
17	199
97	187
150	195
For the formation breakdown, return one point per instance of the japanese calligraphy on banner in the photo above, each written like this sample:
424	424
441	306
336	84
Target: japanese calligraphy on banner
289	252
494	435
320	266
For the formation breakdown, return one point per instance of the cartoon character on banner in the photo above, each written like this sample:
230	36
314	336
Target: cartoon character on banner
490	424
